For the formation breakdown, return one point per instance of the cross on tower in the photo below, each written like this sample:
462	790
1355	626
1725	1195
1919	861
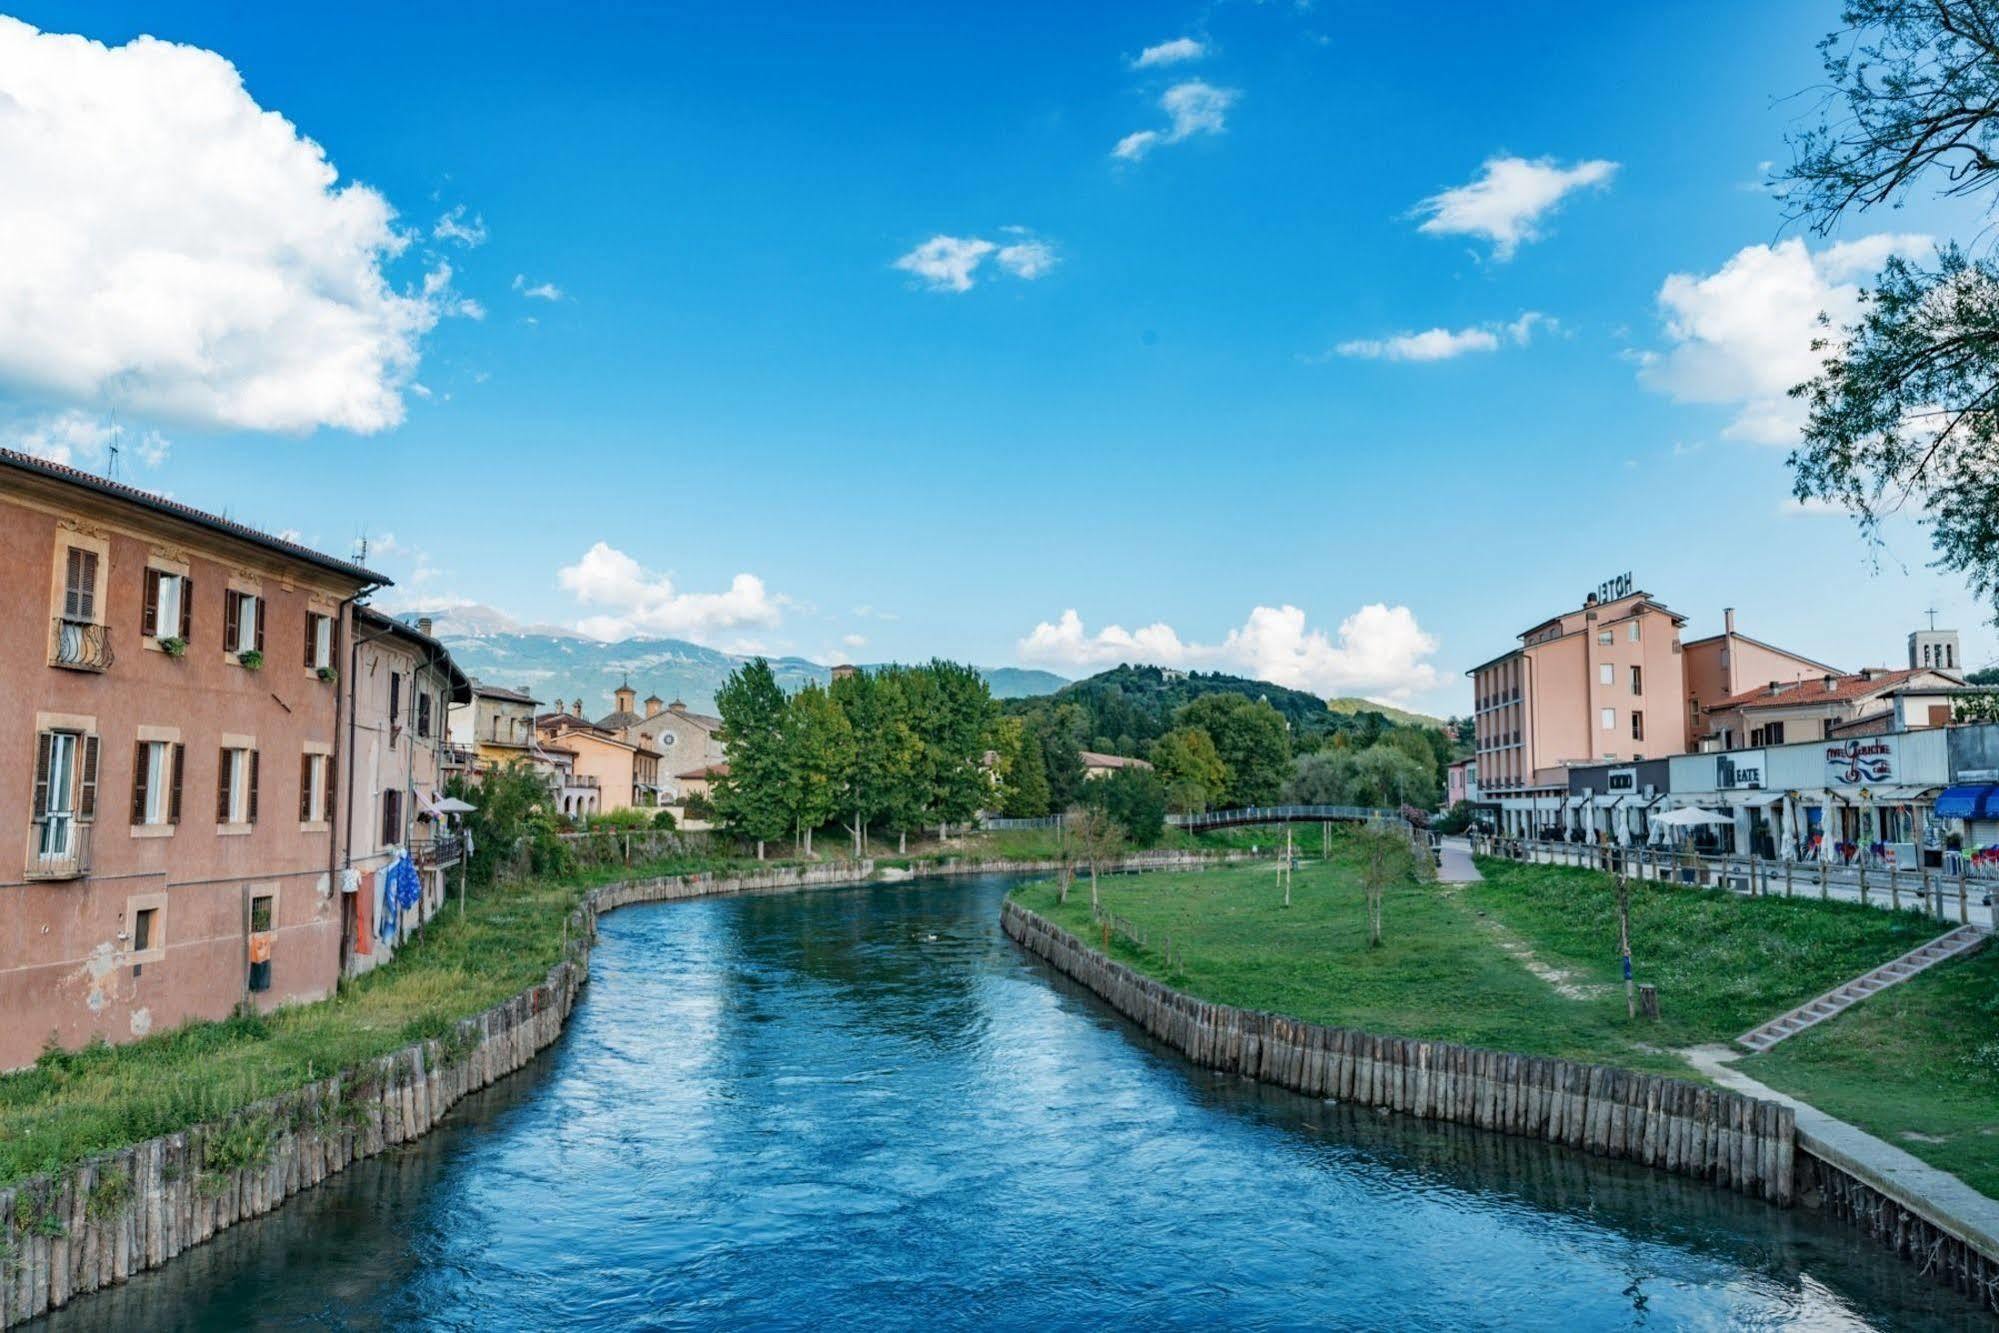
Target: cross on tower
1932	613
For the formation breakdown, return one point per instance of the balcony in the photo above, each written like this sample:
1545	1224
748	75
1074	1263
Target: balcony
446	849
79	645
58	848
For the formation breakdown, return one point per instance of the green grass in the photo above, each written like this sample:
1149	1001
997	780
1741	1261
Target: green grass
1916	1065
1441	972
73	1104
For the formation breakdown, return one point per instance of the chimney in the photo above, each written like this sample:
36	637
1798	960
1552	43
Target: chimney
423	626
1831	684
578	707
1728	620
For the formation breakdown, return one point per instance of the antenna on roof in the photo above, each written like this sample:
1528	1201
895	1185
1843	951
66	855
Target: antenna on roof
361	548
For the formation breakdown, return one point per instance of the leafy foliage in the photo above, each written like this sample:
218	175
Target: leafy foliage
1135	799
1252	741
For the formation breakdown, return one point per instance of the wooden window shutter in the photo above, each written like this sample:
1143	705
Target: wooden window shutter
257	626
251	814
222	793
423	713
304	788
311	638
80	585
86	787
139	757
232	618
331	806
187	609
149	622
44	749
179	758
395	697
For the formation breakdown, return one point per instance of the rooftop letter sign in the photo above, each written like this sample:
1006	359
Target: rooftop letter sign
1611	589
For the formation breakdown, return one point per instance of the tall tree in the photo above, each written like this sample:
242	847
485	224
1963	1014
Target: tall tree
818	749
1251	738
1904	412
1192	769
1025	790
1099	839
883	748
1062	755
750	798
953	722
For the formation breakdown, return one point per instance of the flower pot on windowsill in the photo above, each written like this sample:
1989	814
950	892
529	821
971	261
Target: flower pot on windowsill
251	660
329	674
174	646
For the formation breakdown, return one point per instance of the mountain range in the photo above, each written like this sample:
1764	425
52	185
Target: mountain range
552	663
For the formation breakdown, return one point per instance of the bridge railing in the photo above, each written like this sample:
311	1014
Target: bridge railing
1256	814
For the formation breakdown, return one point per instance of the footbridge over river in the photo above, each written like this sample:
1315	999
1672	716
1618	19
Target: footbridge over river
1240	818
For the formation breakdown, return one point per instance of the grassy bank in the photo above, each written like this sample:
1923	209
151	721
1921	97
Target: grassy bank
1525	962
1916	1065
73	1104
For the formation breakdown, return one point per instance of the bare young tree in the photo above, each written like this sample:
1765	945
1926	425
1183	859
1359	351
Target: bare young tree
1099	840
1387	857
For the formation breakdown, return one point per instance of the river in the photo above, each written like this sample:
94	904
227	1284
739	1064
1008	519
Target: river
866	1108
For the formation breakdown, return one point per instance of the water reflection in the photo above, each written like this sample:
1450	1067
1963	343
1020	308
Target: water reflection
865	1107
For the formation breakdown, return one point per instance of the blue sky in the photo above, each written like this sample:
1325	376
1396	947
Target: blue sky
1174	421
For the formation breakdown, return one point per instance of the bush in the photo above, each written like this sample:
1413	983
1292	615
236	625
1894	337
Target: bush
1135	798
664	819
1456	819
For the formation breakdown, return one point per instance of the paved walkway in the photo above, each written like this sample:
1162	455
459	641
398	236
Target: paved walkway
1457	867
1918	1186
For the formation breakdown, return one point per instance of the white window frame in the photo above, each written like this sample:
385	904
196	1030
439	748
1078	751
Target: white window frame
159	773
317	769
1606	673
1609	718
239	785
1632	631
322	641
166	618
248	607
60	819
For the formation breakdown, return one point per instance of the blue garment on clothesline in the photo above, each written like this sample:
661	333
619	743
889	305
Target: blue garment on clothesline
401	888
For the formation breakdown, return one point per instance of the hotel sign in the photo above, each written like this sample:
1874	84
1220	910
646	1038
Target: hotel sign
1741	769
1611	589
1622	779
1859	761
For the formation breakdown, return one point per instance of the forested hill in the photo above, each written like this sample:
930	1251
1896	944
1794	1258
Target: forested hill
1128	706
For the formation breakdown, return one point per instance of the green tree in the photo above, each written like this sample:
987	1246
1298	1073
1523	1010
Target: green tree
818	761
1904	412
515	819
1135	799
1251	739
884	748
1324	777
1386	858
750	798
1099	841
1025	794
1192	769
1062	755
1989	676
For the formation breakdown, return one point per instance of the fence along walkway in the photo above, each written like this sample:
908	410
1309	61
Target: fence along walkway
1211	819
1961	898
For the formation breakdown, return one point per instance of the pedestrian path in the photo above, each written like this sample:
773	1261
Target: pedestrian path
1841	998
1942	1198
1455	866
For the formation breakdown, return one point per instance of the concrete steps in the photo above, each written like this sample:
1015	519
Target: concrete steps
1838	1000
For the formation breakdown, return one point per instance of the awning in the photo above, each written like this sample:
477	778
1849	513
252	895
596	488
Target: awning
1606	802
1898	795
451	805
1574	803
1978	802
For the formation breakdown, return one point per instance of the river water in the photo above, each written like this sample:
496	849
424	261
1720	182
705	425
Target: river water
865	1108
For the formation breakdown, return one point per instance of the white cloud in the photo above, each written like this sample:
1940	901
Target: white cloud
76	438
1444	344
1378	650
951	263
188	254
1508	200
1028	259
644	602
1742	335
1175	52
946	263
1193	107
453	226
540	291
854	640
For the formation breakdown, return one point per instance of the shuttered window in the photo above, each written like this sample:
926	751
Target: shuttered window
423	713
79	599
155	782
243	622
165	614
314	787
392	818
236	791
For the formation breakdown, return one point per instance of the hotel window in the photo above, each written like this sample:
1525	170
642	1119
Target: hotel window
236	787
1609	720
1631	631
1637	725
315	785
156	769
318	641
243	623
1637	680
1604	637
169	606
1606	674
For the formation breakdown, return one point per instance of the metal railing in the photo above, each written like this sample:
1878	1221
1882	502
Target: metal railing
1255	814
58	848
80	645
1958	890
432	853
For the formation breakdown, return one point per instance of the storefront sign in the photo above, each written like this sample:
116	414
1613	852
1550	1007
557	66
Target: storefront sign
1860	760
1622	779
1743	768
1611	589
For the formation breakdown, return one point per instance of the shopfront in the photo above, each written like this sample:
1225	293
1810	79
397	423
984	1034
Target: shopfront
1612	803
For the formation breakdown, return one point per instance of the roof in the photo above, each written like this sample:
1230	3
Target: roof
720	770
619	720
1639	601
1091	759
567	724
159	504
701	720
1845	689
496	692
1767	647
439	655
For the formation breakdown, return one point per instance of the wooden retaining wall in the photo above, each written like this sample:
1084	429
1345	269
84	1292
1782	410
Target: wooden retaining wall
124	1212
1737	1142
1896	1224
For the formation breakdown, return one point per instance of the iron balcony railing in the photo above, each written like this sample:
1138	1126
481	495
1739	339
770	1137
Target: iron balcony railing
444	850
80	645
58	847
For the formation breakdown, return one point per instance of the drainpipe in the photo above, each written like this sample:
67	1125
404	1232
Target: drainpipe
341	711
343	848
